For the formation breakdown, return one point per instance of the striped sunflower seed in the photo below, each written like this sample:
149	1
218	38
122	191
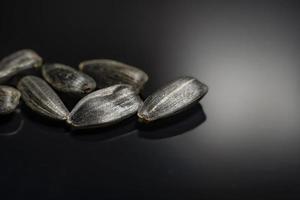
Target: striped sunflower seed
41	98
172	98
105	106
17	62
68	80
109	72
9	99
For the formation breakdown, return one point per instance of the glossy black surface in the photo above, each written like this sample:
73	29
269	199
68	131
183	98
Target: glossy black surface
244	142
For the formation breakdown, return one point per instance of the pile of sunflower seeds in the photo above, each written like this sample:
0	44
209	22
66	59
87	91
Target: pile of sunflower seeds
109	91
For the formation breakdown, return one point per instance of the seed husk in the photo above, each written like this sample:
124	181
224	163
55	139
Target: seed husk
68	80
41	98
109	72
18	62
9	99
105	107
172	98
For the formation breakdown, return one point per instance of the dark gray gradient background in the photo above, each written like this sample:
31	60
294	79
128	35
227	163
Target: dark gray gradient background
246	143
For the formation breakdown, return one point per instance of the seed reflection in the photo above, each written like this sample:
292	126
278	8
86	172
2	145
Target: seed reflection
8	123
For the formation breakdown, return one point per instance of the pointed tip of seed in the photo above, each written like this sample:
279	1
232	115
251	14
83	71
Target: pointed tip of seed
87	88
143	119
71	125
38	59
70	122
81	66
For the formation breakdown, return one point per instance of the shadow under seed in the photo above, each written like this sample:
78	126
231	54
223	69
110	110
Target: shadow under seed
11	124
174	125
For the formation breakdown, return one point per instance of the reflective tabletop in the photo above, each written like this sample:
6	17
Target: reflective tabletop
241	141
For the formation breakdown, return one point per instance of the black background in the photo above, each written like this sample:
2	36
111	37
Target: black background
243	142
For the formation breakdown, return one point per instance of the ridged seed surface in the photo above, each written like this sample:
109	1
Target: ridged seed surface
172	98
41	98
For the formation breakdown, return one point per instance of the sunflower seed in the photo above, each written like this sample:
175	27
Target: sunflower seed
105	106
172	98
109	72
9	99
66	79
17	62
41	98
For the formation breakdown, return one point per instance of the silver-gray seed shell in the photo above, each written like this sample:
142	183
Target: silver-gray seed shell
172	98
17	62
109	72
105	106
66	79
41	98
9	99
